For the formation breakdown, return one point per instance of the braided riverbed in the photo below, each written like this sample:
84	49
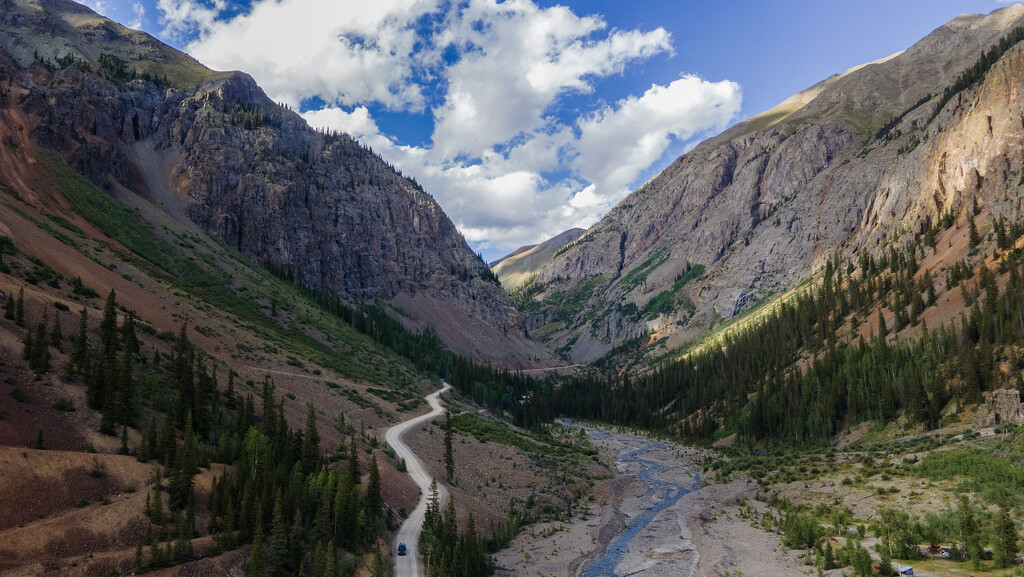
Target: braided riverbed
661	495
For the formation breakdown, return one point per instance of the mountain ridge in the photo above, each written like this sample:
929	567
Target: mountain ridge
141	119
763	207
517	267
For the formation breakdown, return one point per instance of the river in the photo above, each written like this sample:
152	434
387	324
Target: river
661	494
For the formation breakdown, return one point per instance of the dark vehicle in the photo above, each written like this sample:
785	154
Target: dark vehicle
401	548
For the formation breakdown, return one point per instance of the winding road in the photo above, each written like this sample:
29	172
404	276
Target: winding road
410	565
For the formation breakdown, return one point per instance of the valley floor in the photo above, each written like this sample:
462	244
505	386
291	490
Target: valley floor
699	534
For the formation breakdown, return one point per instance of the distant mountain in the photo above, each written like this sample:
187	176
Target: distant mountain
209	149
859	163
516	268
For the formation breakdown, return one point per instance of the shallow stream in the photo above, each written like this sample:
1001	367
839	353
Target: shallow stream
662	493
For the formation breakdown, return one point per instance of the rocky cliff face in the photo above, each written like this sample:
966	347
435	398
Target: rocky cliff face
858	162
139	118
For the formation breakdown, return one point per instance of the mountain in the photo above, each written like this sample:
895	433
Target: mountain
211	151
859	163
517	267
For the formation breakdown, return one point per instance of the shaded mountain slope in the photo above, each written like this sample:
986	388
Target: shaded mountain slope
210	148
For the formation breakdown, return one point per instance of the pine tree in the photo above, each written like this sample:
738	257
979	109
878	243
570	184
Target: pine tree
80	347
108	421
449	457
156	514
125	381
353	462
9	308
138	565
57	335
40	443
257	555
108	325
329	561
973	237
168	440
148	445
19	308
967	526
473	557
311	441
229	392
28	351
1009	540
295	537
377	569
182	363
124	442
182	480
279	536
372	499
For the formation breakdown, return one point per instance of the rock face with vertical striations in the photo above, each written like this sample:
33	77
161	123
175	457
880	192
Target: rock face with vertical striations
140	118
861	161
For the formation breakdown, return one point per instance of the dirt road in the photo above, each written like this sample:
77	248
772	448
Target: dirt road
410	565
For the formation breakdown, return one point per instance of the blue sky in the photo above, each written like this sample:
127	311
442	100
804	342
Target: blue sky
527	117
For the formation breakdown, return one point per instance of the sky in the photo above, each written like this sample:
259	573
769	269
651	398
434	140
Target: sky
525	118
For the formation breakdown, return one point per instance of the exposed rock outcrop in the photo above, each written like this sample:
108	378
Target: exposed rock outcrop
318	208
1001	407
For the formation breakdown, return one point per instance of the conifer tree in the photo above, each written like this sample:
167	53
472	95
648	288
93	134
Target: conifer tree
19	308
168	440
229	392
57	334
295	537
148	445
182	480
107	421
9	308
377	568
330	559
449	457
124	442
138	565
353	462
157	504
80	347
257	555
279	536
967	526
182	363
28	350
108	325
1008	539
124	406
372	499
310	441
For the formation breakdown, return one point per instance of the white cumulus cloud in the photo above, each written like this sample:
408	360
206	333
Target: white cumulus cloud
517	58
617	144
506	163
342	52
